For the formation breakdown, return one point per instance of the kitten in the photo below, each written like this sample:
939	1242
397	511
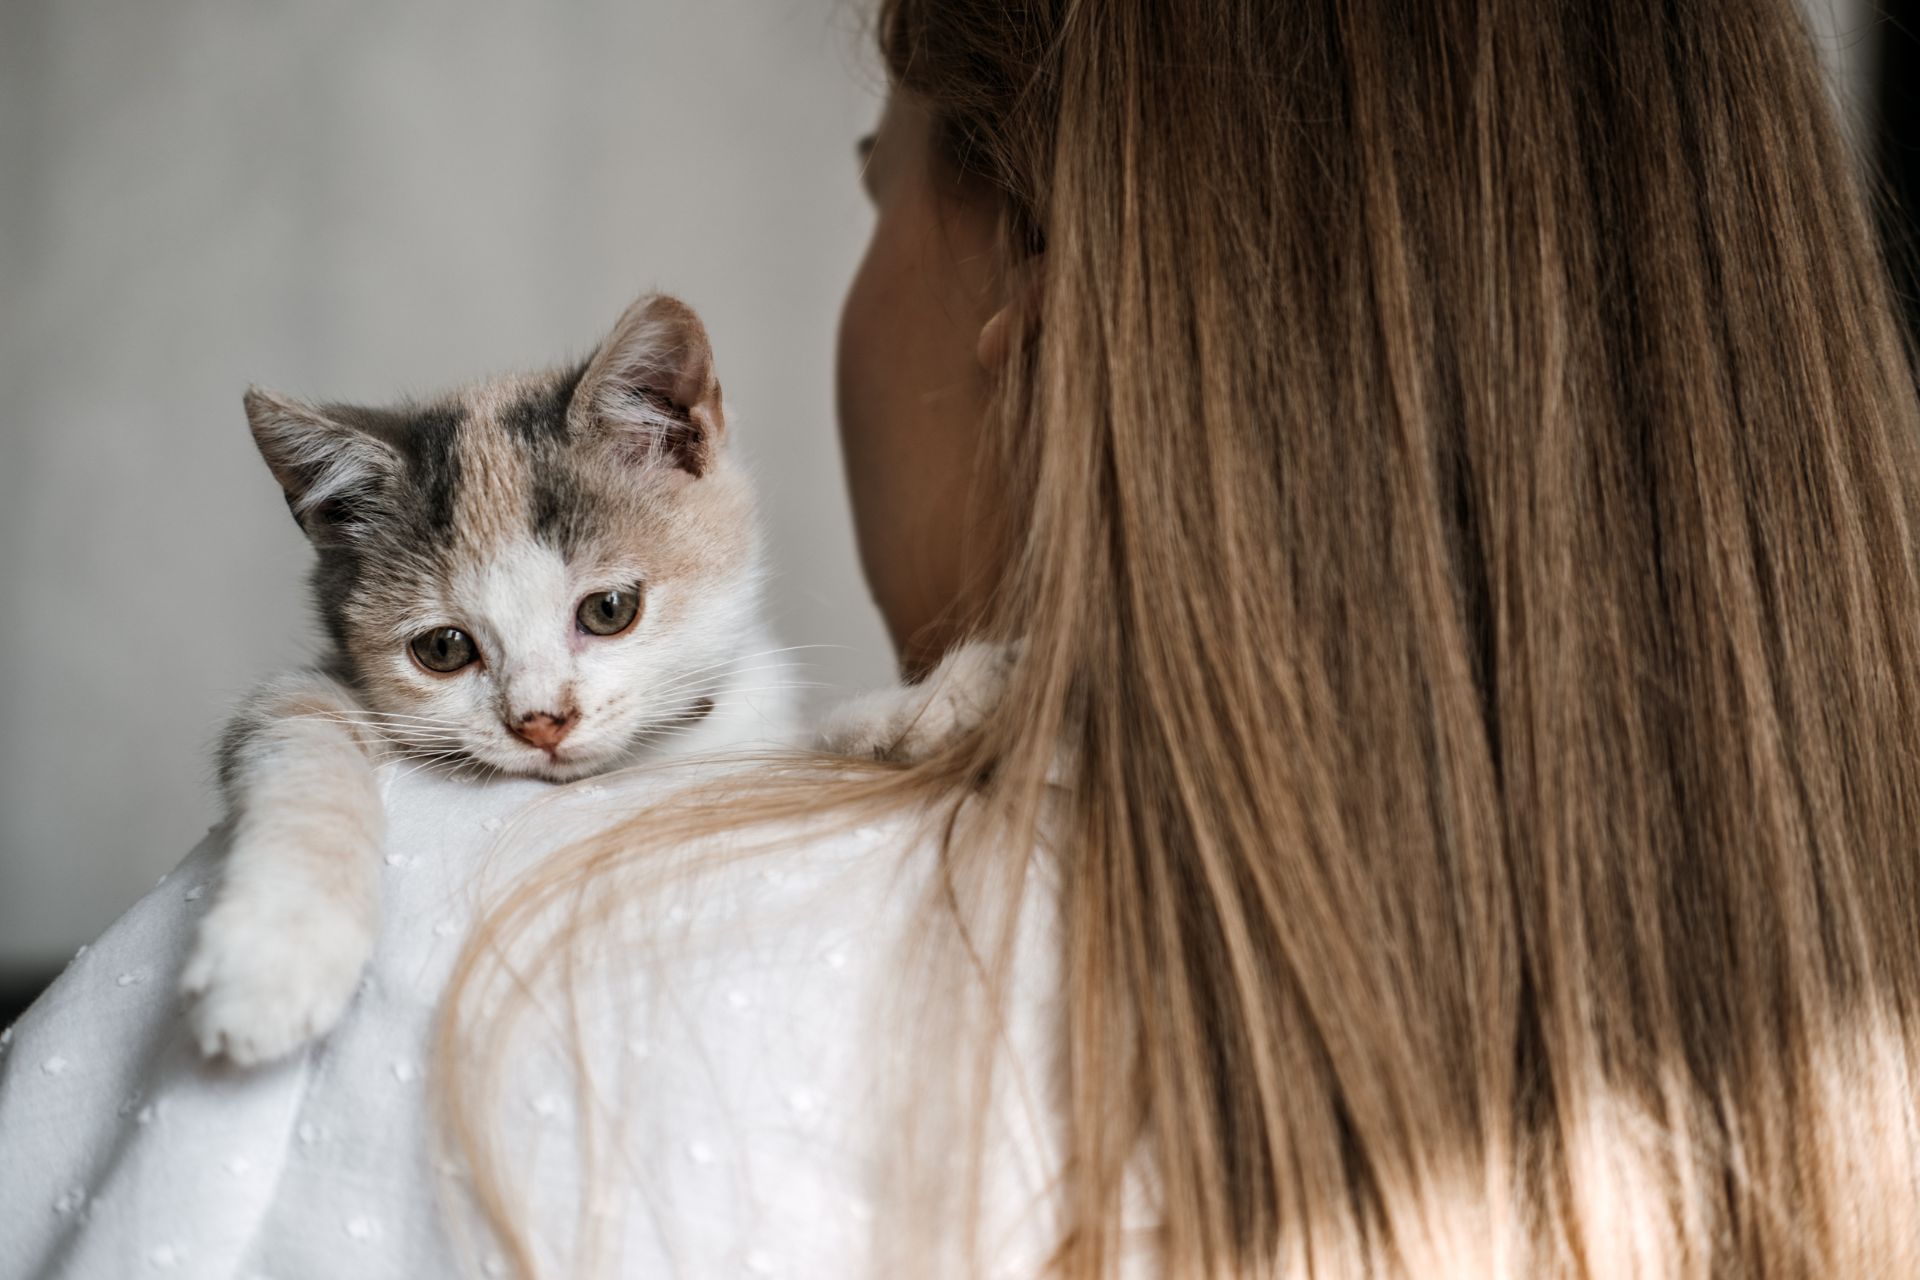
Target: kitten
550	576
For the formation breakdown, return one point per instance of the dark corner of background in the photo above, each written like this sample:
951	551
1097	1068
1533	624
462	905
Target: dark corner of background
1895	144
20	987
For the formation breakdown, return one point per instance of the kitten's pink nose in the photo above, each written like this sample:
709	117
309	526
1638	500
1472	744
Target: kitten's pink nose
543	729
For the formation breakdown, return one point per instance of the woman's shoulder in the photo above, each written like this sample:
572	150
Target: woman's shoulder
749	1023
731	1016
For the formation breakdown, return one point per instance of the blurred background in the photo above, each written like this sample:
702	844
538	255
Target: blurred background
365	198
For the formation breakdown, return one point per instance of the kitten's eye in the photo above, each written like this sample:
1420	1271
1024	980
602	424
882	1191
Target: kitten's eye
608	613
443	649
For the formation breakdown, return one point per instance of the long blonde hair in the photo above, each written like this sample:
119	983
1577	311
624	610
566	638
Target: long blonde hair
1463	481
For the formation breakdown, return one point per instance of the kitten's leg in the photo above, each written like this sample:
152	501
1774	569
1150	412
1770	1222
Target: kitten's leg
292	925
912	721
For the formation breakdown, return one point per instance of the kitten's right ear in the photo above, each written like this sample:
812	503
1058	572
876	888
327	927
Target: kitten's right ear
331	472
650	391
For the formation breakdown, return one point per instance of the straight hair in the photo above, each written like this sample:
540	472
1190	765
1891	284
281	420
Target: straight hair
1462	472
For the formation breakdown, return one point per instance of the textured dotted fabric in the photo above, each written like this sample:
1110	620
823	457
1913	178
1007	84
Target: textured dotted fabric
739	1132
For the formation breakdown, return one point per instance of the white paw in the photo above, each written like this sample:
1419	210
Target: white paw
265	979
913	721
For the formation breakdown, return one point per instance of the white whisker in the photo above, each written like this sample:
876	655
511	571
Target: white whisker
708	675
749	657
361	713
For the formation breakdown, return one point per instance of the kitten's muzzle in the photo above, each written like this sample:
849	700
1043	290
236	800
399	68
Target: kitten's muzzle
543	729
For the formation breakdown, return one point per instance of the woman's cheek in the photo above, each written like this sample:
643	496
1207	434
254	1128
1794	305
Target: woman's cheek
861	396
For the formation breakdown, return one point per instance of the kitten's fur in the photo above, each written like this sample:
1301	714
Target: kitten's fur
496	510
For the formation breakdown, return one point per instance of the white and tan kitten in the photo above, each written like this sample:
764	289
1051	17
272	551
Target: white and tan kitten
549	576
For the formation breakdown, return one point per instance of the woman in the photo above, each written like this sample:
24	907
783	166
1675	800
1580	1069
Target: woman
1451	471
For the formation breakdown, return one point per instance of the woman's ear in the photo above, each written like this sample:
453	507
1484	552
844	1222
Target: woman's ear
651	390
1020	312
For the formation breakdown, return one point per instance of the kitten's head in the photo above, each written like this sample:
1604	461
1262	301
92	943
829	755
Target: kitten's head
536	573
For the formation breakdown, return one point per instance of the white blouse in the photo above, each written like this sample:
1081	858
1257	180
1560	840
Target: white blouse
739	1132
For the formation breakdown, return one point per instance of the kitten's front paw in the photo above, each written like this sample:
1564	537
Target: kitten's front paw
264	981
911	722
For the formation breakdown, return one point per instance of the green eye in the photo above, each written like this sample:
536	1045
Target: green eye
443	649
608	613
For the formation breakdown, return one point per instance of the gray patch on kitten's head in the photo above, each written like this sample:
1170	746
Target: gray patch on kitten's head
495	508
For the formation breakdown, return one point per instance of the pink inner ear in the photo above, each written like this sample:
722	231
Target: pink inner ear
657	428
652	387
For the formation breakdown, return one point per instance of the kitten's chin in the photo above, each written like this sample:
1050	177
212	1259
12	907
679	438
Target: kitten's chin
572	770
564	769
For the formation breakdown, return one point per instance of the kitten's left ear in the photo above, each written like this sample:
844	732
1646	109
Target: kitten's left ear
650	389
334	474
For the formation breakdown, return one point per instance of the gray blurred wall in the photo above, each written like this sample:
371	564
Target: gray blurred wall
355	199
